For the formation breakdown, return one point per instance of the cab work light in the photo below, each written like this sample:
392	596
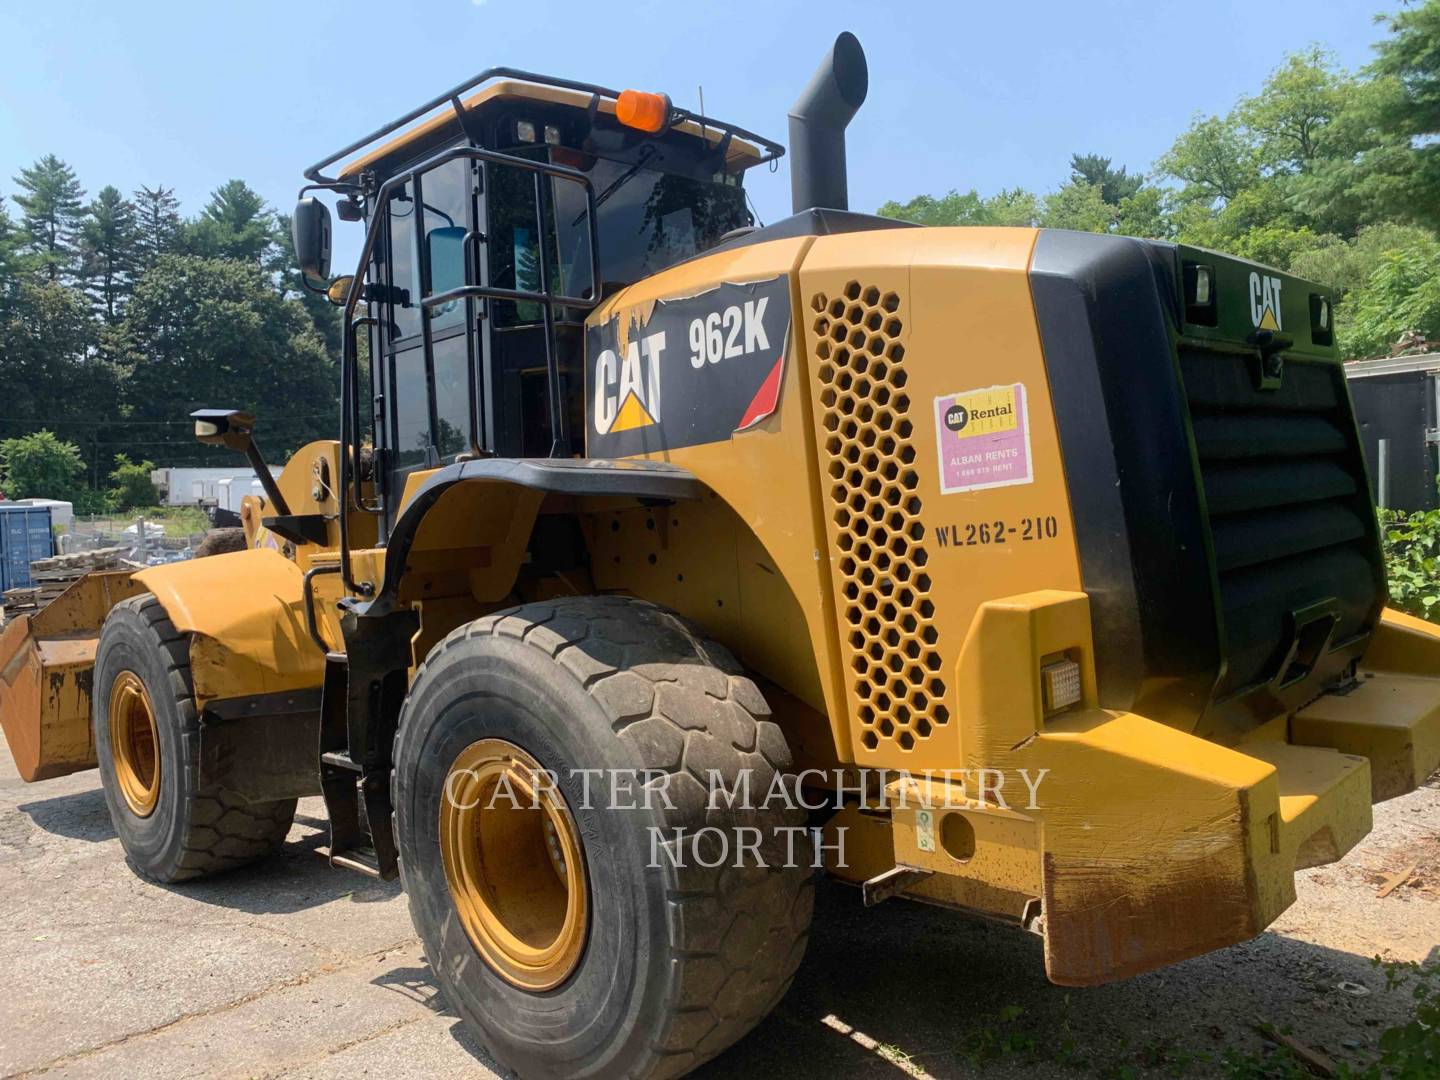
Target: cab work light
642	111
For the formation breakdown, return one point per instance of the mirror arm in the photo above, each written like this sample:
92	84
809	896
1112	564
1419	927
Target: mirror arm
267	481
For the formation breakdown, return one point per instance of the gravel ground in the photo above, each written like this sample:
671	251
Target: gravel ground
293	969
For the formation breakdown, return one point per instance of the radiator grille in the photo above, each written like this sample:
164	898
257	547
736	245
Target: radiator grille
1289	509
869	458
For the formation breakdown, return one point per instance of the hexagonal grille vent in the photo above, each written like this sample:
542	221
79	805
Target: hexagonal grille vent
888	615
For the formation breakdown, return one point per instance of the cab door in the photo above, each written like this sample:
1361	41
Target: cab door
427	369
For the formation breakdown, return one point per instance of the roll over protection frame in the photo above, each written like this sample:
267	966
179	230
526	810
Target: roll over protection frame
772	150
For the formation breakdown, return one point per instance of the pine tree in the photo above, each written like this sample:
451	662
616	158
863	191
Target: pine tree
52	208
235	224
1115	184
10	258
158	221
109	239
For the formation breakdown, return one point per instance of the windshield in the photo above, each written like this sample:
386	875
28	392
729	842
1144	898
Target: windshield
647	220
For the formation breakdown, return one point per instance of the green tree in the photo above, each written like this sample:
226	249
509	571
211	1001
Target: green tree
1115	184
1012	206
40	466
1292	119
130	484
235	224
1410	59
158	225
1346	265
50	371
1143	214
1080	206
51	203
11	259
1402	294
1213	159
203	332
109	243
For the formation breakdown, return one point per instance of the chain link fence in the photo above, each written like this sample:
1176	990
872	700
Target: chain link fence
165	535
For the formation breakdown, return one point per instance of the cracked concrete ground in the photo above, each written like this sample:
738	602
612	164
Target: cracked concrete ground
292	969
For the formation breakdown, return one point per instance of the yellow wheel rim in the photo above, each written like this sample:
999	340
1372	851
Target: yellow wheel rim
515	865
135	742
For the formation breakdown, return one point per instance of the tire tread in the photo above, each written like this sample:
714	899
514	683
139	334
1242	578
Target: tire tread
223	831
737	934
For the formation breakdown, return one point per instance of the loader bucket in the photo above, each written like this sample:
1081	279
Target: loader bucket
47	659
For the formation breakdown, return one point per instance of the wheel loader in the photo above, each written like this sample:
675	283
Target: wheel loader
642	512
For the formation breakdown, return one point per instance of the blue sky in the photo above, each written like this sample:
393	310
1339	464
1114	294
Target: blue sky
962	94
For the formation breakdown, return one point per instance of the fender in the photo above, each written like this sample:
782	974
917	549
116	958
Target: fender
592	477
245	612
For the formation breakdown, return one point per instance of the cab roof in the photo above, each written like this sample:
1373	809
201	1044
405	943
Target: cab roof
743	150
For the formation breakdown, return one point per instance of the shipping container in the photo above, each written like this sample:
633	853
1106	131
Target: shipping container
25	537
1396	408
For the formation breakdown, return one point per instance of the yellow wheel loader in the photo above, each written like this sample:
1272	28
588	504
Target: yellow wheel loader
664	557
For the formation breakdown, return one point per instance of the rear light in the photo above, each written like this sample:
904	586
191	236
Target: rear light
1322	320
1200	294
1060	685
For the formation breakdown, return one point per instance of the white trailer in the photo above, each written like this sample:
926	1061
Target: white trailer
220	488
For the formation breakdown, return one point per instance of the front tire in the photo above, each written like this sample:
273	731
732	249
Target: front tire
677	962
147	742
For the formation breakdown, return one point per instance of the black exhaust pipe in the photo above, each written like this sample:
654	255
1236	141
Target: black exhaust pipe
817	127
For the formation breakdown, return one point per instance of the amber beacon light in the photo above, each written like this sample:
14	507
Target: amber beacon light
642	111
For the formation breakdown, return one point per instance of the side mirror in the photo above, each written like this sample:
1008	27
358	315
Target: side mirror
310	231
446	250
339	290
229	428
235	430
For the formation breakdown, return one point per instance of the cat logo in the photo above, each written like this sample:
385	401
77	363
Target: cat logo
1265	301
627	392
718	355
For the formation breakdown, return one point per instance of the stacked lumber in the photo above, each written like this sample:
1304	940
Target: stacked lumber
51	577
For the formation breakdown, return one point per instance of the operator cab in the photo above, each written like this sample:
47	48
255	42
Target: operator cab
492	229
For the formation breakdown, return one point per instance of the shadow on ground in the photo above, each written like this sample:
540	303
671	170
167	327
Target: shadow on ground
78	816
295	878
915	990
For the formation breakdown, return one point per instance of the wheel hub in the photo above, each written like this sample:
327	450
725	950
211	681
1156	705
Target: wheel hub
515	865
136	744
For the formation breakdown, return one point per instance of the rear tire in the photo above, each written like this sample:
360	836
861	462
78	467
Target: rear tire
678	962
172	829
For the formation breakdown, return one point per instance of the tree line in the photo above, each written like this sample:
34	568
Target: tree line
118	316
1331	174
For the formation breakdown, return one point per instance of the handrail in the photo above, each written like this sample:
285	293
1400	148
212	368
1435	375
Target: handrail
772	149
349	391
350	401
308	593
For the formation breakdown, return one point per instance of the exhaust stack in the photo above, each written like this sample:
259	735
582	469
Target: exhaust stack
817	127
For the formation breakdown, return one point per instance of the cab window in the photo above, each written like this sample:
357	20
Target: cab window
446	214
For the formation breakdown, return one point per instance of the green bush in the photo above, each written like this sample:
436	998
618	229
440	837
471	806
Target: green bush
130	483
40	466
1412	560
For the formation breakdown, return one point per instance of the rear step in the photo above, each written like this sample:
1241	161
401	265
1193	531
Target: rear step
1324	801
345	783
1392	718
